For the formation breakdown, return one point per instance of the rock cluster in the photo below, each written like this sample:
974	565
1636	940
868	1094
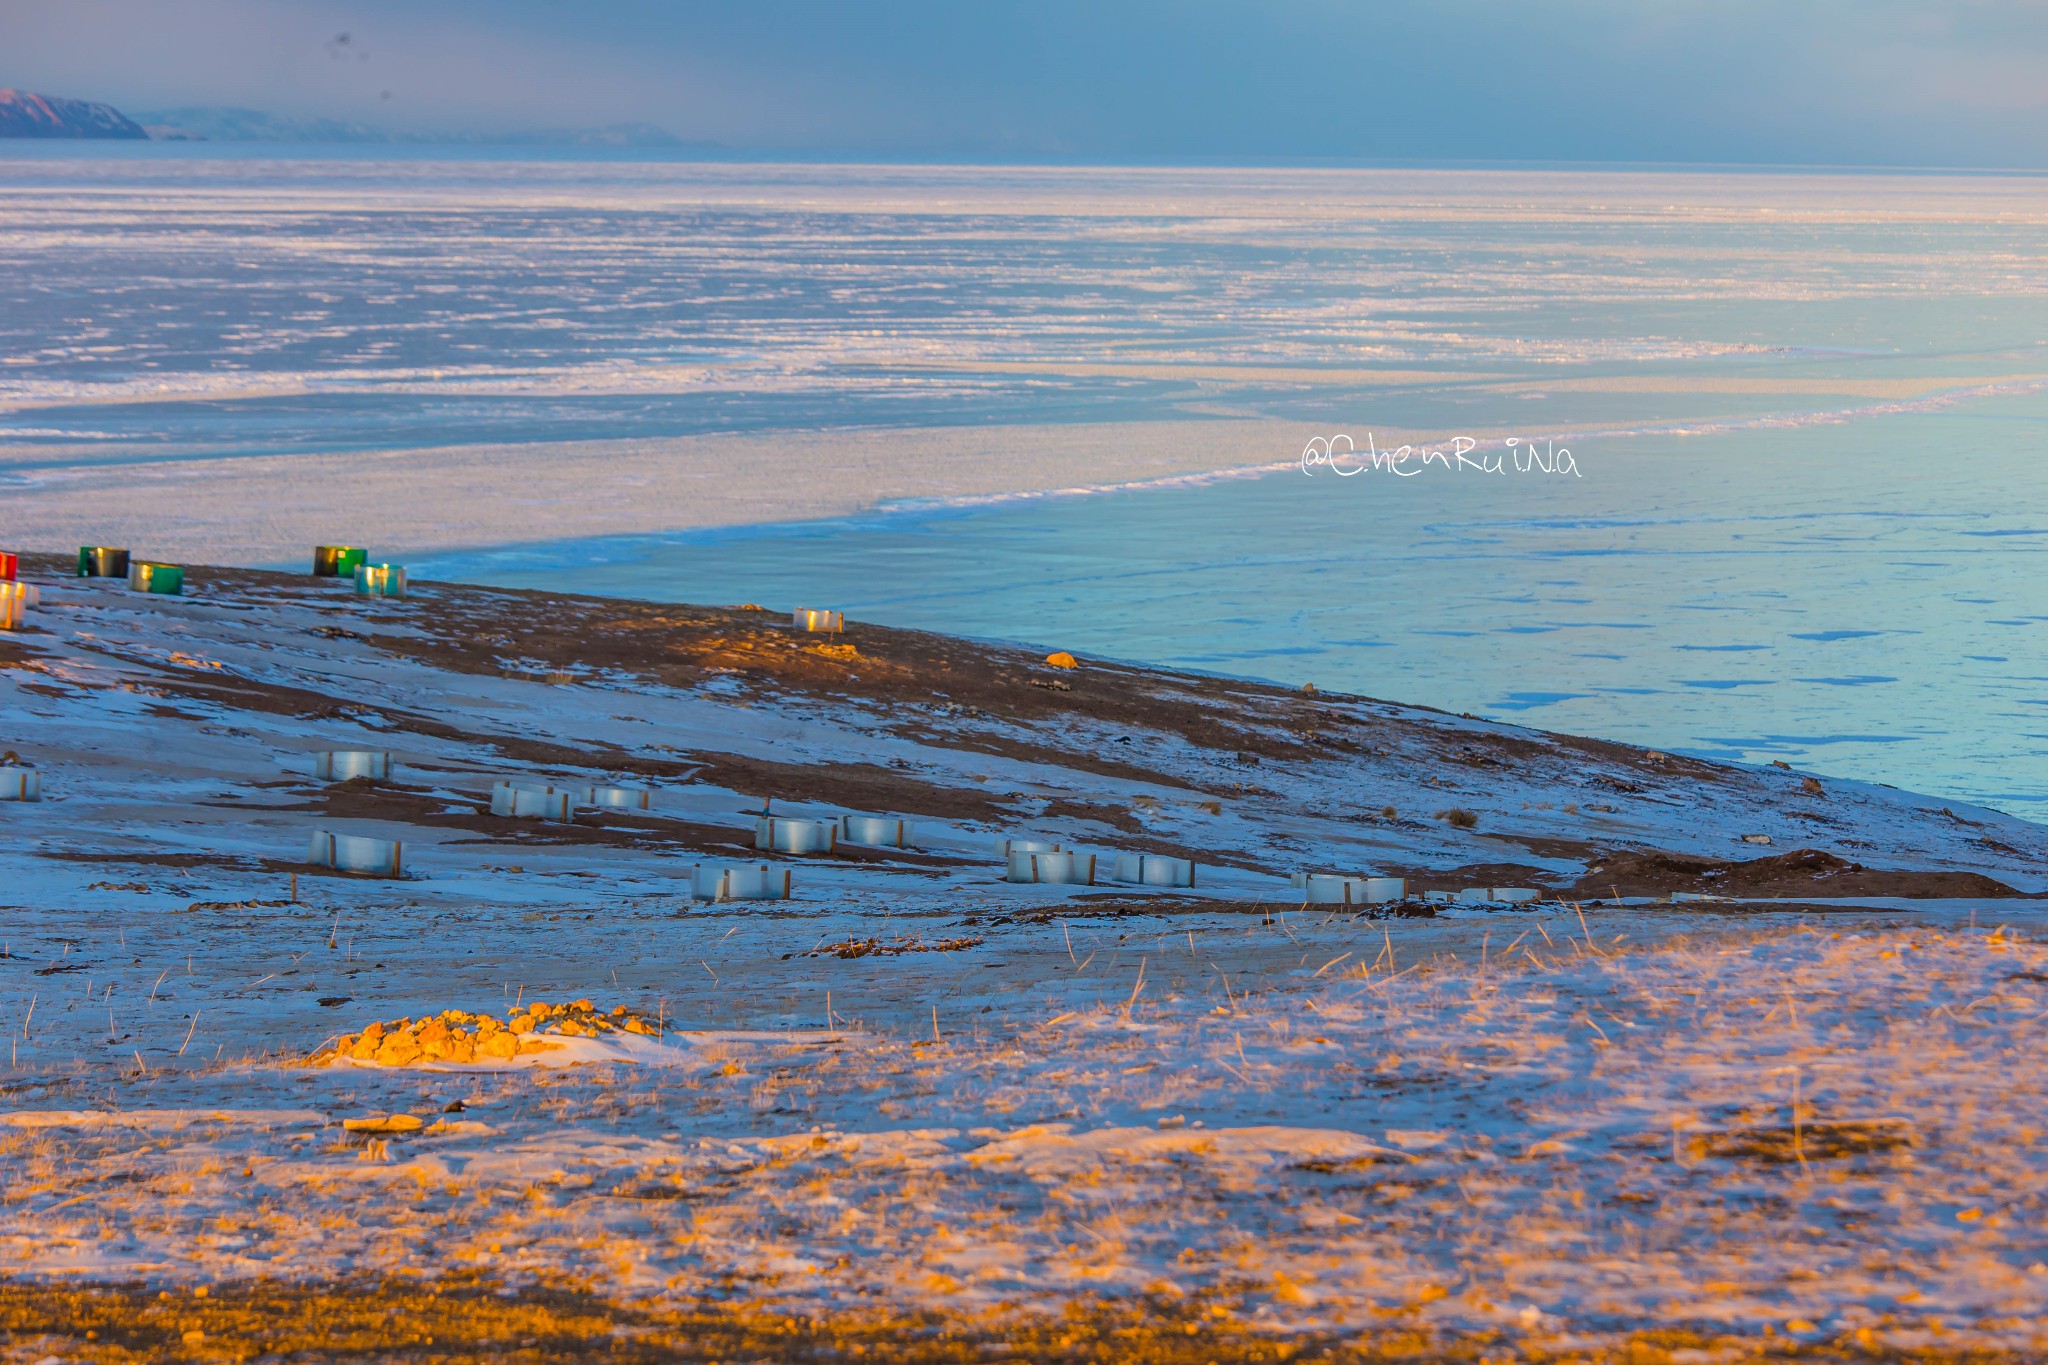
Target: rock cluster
459	1036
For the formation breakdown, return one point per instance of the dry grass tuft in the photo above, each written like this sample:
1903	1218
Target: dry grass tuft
456	1321
1806	1142
876	947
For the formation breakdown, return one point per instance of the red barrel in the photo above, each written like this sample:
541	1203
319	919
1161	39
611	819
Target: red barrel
10	567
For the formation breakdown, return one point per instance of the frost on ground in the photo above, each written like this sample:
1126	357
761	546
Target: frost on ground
917	1110
1805	1133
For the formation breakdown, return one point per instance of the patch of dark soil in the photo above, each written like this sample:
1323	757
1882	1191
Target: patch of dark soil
1123	905
1549	846
851	786
1119	903
1483	749
1728	907
677	836
1649	762
1422	879
15	654
156	859
1801	872
1117	818
1002	744
363	798
877	947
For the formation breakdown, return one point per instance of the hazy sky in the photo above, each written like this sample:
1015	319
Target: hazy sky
1926	82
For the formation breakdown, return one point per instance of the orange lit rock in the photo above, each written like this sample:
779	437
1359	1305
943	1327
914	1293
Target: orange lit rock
385	1123
461	1037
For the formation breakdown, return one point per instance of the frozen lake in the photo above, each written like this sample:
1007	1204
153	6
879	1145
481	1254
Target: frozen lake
1806	411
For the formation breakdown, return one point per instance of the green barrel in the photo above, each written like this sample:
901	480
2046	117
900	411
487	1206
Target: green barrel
144	576
100	561
337	561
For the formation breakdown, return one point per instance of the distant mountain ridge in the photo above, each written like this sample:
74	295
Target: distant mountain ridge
218	123
27	114
24	113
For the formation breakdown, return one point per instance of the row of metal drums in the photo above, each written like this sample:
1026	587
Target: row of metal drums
143	575
1025	860
352	561
536	799
329	561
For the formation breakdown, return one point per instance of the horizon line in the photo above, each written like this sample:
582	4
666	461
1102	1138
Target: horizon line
713	154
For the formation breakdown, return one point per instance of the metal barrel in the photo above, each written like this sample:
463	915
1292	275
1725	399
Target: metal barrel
102	561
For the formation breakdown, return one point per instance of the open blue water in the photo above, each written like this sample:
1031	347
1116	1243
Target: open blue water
1868	599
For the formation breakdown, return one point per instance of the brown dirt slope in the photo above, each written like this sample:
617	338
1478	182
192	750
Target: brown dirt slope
1802	872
